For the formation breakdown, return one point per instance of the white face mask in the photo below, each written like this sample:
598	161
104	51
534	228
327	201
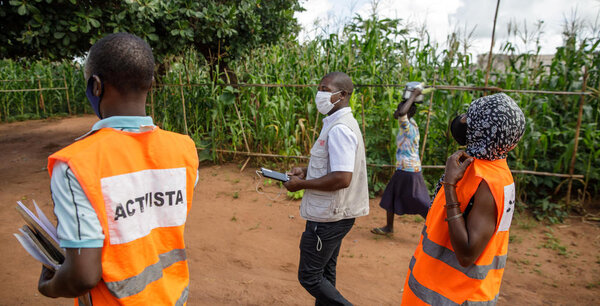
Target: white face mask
323	101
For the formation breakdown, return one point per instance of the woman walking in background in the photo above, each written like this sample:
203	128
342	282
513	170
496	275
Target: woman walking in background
406	193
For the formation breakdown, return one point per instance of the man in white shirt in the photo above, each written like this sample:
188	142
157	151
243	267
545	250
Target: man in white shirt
336	189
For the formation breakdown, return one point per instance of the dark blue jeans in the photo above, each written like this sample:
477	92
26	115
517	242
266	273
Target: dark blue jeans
319	248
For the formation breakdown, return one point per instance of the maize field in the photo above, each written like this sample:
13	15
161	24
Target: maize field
284	120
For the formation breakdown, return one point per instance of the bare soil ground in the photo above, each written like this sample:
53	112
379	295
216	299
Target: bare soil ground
243	246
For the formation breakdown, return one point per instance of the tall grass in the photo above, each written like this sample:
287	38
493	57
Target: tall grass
372	51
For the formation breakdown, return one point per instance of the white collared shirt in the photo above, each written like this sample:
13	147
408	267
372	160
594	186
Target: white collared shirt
342	143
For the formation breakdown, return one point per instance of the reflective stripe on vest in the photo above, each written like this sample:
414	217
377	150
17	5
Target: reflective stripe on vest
427	295
141	195
136	284
431	297
435	276
449	257
184	296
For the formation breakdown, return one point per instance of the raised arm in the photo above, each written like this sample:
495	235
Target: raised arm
469	238
404	107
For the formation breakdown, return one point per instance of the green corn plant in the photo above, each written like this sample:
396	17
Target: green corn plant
373	51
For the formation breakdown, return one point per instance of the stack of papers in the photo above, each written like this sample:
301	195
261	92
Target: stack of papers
38	237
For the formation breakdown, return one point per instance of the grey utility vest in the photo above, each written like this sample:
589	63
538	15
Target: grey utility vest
346	203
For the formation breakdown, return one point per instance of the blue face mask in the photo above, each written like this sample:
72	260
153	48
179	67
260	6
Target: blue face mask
94	100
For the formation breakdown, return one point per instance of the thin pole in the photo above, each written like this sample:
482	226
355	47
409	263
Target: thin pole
37	106
439	87
31	89
489	63
237	111
185	67
241	125
67	93
42	105
574	156
364	126
183	105
428	118
578	176
27	80
315	129
245	164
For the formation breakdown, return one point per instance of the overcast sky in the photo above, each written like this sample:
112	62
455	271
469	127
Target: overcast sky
441	16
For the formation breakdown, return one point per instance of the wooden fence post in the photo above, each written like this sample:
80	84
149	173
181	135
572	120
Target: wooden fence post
67	92
364	126
183	104
574	155
42	105
315	129
427	124
237	111
489	63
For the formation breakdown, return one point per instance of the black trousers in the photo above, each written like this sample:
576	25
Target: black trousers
319	248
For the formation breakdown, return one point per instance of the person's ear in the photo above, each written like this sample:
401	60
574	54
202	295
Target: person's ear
97	89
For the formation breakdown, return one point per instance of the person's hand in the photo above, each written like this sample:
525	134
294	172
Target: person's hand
415	93
297	171
294	184
456	165
44	280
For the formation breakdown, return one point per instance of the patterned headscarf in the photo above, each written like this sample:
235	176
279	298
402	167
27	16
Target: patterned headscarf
495	124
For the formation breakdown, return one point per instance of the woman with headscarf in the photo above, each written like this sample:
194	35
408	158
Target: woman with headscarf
463	248
406	192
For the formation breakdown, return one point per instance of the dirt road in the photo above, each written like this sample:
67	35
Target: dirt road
243	246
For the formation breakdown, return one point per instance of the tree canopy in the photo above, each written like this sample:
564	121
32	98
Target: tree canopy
58	29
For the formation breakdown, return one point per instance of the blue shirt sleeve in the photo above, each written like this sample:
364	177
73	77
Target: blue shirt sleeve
78	224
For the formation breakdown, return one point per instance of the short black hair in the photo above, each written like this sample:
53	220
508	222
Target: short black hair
123	60
341	80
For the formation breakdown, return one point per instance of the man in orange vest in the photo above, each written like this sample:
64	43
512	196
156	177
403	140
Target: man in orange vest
463	248
122	191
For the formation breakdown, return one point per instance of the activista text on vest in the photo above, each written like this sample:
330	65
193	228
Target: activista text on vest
148	201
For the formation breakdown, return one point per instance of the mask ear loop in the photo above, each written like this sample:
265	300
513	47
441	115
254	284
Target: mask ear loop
340	99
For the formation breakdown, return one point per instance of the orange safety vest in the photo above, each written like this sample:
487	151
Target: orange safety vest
141	187
435	276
